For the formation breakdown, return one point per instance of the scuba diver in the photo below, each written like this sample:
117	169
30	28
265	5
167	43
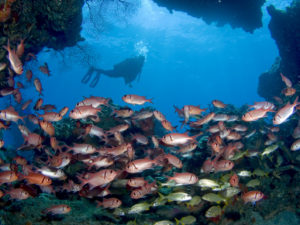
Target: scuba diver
129	69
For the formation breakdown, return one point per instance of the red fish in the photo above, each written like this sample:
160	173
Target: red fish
110	203
218	104
99	178
10	114
8	177
184	178
223	165
286	80
45	69
252	196
175	139
57	210
37	178
38	85
136	182
139	165
20	48
144	190
47	127
135	99
82	112
18	194
234	180
14	60
285	112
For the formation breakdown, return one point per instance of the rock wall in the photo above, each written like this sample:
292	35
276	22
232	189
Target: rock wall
238	13
285	30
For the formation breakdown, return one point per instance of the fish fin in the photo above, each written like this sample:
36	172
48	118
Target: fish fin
178	222
296	101
150	100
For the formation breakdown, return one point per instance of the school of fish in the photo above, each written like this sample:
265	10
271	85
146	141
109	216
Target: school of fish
117	157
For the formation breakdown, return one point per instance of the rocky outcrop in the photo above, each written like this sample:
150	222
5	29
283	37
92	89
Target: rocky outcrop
55	24
238	13
285	30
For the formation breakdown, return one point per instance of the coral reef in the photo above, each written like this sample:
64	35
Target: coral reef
53	24
285	30
238	13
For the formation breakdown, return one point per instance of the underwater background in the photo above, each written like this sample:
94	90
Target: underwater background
190	58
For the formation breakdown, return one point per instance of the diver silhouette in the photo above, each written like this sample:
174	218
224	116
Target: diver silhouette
129	69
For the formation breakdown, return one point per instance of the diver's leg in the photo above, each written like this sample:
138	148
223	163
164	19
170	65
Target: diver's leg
88	75
95	81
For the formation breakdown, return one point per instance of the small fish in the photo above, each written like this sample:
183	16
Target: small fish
52	173
211	197
167	125
10	114
213	212
99	178
255	114
110	203
229	192
286	80
38	85
177	196
285	112
207	183
244	173
164	222
159	116
18	194
135	99
184	178
204	120
136	182
37	178
296	145
45	69
139	165
138	208
64	111
262	105
270	149
51	116
1	143
234	180
26	104
196	200
38	104
176	139
8	177
289	91
2	66
82	112
94	101
57	209
14	60
252	196
218	104
186	220
20	48
253	183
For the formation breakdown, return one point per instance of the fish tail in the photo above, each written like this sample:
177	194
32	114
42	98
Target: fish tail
7	47
150	100
296	101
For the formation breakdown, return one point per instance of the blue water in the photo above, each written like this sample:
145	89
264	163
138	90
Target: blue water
187	61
